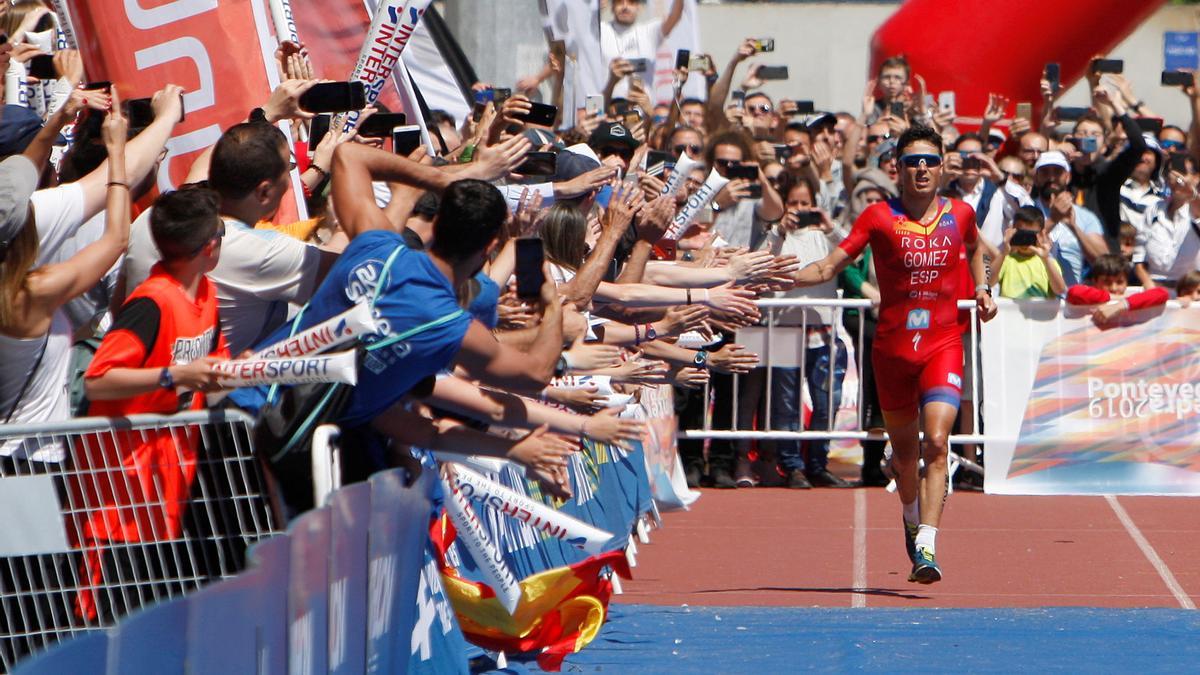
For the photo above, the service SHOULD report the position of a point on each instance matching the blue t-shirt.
(415, 293)
(1065, 246)
(483, 306)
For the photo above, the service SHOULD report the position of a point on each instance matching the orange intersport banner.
(222, 54)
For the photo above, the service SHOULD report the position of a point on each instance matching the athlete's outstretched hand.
(985, 305)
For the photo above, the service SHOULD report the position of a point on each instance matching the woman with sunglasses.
(918, 243)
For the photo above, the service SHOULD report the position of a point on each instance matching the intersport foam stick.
(544, 520)
(683, 168)
(337, 367)
(391, 27)
(487, 556)
(696, 203)
(285, 24)
(335, 332)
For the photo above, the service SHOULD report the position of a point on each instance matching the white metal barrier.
(785, 346)
(141, 509)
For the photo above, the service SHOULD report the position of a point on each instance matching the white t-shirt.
(258, 274)
(808, 245)
(58, 214)
(639, 41)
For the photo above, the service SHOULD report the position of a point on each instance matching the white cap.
(18, 180)
(1052, 158)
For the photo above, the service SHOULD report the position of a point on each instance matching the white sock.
(926, 534)
(912, 512)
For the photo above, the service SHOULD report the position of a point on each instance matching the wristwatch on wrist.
(560, 368)
(701, 359)
(165, 381)
(651, 334)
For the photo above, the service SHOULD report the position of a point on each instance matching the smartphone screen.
(805, 108)
(1053, 76)
(773, 73)
(683, 58)
(530, 256)
(501, 94)
(42, 67)
(782, 152)
(1024, 238)
(748, 171)
(1179, 162)
(946, 103)
(1025, 111)
(406, 139)
(1071, 113)
(808, 218)
(657, 161)
(1177, 78)
(380, 125)
(1115, 66)
(334, 97)
(764, 45)
(739, 98)
(541, 114)
(897, 109)
(701, 63)
(317, 130)
(139, 112)
(594, 104)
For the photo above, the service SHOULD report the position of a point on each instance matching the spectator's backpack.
(284, 432)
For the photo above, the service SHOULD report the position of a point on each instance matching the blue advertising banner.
(151, 642)
(229, 614)
(1181, 50)
(77, 655)
(308, 593)
(272, 557)
(349, 513)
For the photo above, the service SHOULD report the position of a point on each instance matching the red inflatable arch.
(973, 47)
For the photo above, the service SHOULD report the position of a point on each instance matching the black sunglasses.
(876, 138)
(619, 151)
(689, 148)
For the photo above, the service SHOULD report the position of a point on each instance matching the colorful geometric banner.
(1075, 409)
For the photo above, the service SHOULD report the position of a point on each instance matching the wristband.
(983, 288)
(637, 335)
(165, 379)
(701, 360)
(689, 296)
(323, 172)
(116, 183)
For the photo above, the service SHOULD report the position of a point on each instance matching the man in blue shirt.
(423, 330)
(1075, 232)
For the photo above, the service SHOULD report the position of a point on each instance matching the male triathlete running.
(918, 245)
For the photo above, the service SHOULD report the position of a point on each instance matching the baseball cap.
(18, 126)
(817, 119)
(571, 165)
(18, 180)
(996, 136)
(1052, 158)
(612, 133)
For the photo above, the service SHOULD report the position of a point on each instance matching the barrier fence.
(105, 516)
(351, 586)
(789, 328)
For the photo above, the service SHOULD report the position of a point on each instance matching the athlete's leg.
(903, 427)
(938, 420)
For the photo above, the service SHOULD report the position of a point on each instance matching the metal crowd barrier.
(139, 510)
(785, 346)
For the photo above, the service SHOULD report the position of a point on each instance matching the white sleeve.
(992, 228)
(58, 213)
(1158, 242)
(288, 270)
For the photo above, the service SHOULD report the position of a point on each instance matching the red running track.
(845, 548)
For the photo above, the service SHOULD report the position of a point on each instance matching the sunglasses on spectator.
(761, 108)
(217, 236)
(1171, 145)
(878, 138)
(913, 161)
(726, 163)
(620, 151)
(689, 148)
(1013, 174)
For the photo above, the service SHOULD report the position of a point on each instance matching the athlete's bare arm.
(824, 269)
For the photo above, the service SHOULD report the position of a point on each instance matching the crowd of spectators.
(105, 311)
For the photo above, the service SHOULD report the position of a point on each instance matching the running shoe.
(925, 569)
(910, 540)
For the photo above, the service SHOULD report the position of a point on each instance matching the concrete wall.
(825, 46)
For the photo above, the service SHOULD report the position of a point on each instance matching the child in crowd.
(166, 335)
(1135, 257)
(1106, 284)
(1187, 289)
(1025, 268)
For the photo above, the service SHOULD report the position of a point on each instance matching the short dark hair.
(1107, 265)
(1030, 215)
(917, 133)
(969, 136)
(438, 117)
(469, 218)
(1187, 283)
(246, 155)
(690, 101)
(184, 220)
(734, 138)
(897, 61)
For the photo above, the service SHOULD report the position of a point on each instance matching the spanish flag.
(560, 612)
